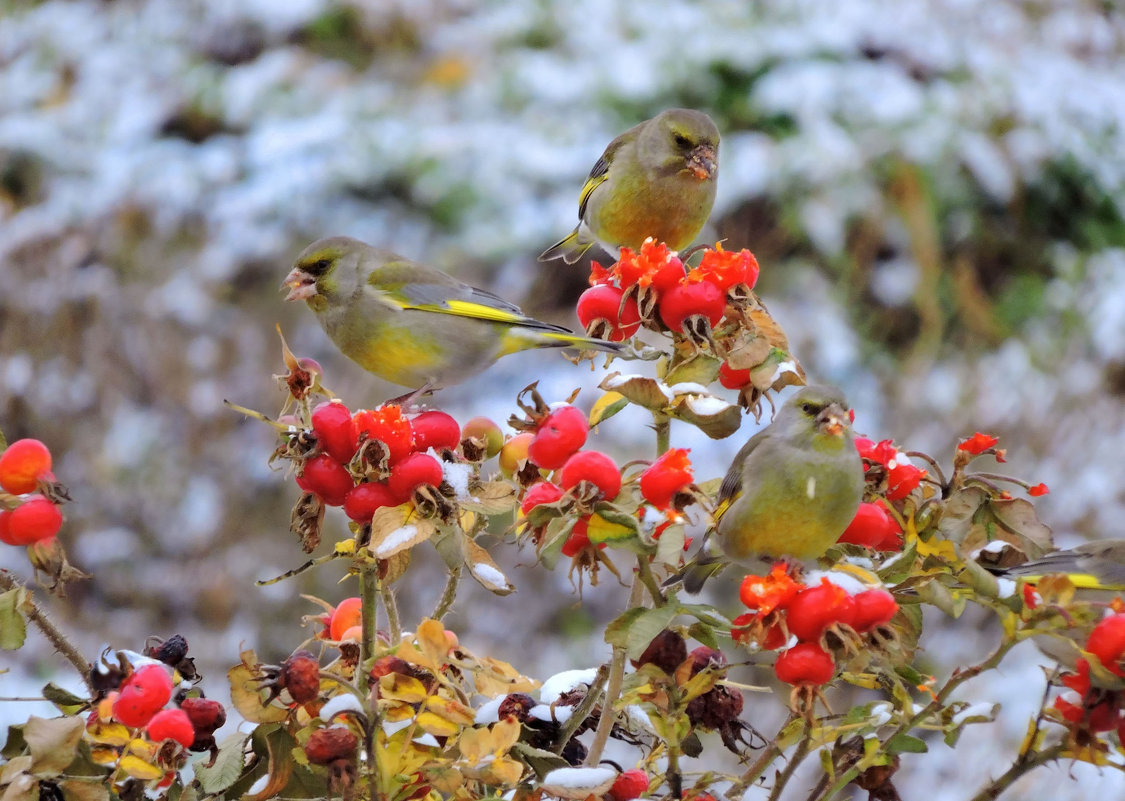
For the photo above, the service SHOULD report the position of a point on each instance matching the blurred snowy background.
(935, 191)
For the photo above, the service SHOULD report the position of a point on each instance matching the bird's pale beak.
(834, 420)
(300, 284)
(701, 162)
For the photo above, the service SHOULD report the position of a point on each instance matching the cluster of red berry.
(1099, 703)
(784, 607)
(25, 470)
(140, 700)
(889, 467)
(586, 477)
(652, 288)
(387, 477)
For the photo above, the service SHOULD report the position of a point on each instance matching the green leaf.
(702, 368)
(15, 745)
(65, 700)
(557, 532)
(606, 407)
(645, 627)
(641, 390)
(617, 632)
(538, 759)
(13, 627)
(713, 416)
(704, 635)
(227, 768)
(705, 614)
(670, 546)
(614, 527)
(906, 744)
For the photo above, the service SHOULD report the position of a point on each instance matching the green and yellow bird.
(411, 324)
(1096, 565)
(657, 179)
(790, 491)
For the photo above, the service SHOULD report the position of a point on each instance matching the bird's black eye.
(808, 408)
(318, 267)
(682, 141)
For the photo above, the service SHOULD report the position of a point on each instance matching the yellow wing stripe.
(588, 188)
(465, 308)
(1083, 581)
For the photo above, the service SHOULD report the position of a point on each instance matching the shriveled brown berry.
(667, 650)
(390, 664)
(328, 745)
(205, 714)
(716, 708)
(170, 651)
(516, 705)
(703, 657)
(300, 675)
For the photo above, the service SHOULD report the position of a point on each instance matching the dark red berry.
(540, 493)
(595, 467)
(363, 500)
(413, 471)
(667, 651)
(731, 378)
(171, 724)
(688, 300)
(33, 520)
(326, 478)
(335, 430)
(143, 694)
(872, 608)
(558, 437)
(628, 785)
(436, 430)
(603, 304)
(815, 608)
(806, 663)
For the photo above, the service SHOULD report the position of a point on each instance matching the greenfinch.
(791, 490)
(1097, 571)
(657, 179)
(1092, 566)
(411, 324)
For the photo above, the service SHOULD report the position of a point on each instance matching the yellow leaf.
(431, 639)
(451, 710)
(248, 697)
(397, 687)
(493, 677)
(396, 528)
(607, 406)
(108, 734)
(437, 725)
(943, 549)
(139, 769)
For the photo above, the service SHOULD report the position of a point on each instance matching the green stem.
(448, 595)
(368, 593)
(391, 607)
(583, 710)
(613, 686)
(846, 778)
(1018, 769)
(663, 425)
(796, 759)
(644, 573)
(57, 639)
(763, 761)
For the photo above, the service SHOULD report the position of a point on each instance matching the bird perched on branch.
(657, 179)
(411, 324)
(790, 491)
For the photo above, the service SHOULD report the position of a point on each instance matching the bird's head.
(694, 140)
(821, 410)
(320, 270)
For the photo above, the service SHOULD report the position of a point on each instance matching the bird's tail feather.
(570, 249)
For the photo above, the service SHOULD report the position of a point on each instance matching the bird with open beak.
(655, 180)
